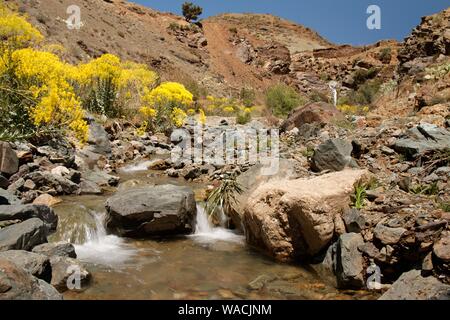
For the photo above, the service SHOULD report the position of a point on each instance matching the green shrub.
(385, 55)
(360, 76)
(365, 94)
(316, 96)
(282, 99)
(247, 97)
(243, 117)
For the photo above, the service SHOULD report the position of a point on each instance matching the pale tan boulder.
(294, 218)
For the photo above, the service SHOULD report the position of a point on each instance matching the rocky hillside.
(227, 52)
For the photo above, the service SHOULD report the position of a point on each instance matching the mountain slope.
(211, 57)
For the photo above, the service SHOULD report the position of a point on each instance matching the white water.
(101, 248)
(110, 250)
(136, 167)
(205, 232)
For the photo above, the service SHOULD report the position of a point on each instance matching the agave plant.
(223, 198)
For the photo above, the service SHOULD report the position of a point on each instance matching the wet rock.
(152, 211)
(291, 218)
(159, 164)
(317, 112)
(23, 236)
(61, 249)
(101, 178)
(354, 220)
(36, 264)
(413, 286)
(18, 284)
(388, 235)
(28, 211)
(259, 282)
(65, 272)
(334, 155)
(423, 138)
(349, 261)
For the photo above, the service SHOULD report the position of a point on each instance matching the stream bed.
(213, 263)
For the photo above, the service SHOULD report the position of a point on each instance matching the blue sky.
(340, 21)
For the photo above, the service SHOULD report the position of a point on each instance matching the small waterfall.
(206, 232)
(101, 248)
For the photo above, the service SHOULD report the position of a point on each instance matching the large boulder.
(317, 112)
(18, 284)
(67, 272)
(423, 138)
(9, 163)
(36, 264)
(292, 218)
(152, 211)
(413, 286)
(349, 261)
(333, 155)
(27, 211)
(23, 236)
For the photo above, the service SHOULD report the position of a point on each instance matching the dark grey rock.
(23, 236)
(152, 211)
(36, 264)
(7, 197)
(388, 235)
(422, 138)
(27, 211)
(334, 155)
(349, 261)
(62, 249)
(354, 220)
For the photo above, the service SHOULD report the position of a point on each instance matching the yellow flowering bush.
(166, 104)
(107, 84)
(34, 90)
(55, 104)
(15, 31)
(178, 117)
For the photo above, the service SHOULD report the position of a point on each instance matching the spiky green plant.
(360, 196)
(224, 197)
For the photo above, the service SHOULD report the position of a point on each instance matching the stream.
(212, 263)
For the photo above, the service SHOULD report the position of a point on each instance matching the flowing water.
(212, 263)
